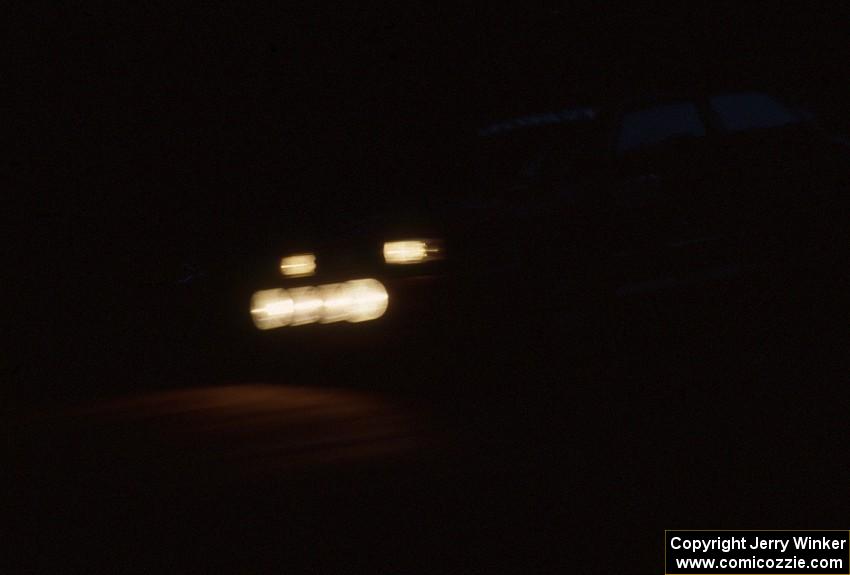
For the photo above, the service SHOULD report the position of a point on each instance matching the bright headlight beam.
(298, 265)
(272, 308)
(368, 300)
(307, 305)
(353, 301)
(336, 303)
(410, 251)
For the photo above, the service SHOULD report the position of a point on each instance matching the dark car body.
(563, 215)
(699, 185)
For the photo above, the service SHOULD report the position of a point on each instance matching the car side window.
(750, 111)
(653, 125)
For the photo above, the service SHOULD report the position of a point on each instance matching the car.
(564, 215)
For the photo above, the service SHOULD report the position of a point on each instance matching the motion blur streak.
(272, 308)
(410, 251)
(307, 305)
(368, 300)
(298, 265)
(353, 301)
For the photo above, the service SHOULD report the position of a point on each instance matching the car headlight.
(353, 301)
(411, 251)
(298, 265)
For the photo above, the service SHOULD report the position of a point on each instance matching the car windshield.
(750, 111)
